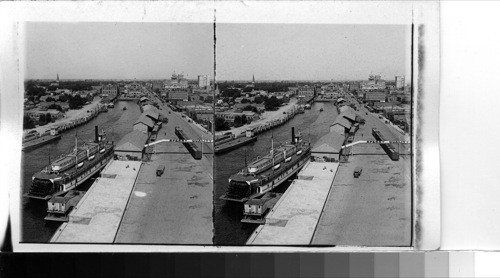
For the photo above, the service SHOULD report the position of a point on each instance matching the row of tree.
(29, 123)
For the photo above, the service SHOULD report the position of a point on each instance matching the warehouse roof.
(330, 143)
(132, 141)
(145, 120)
(343, 122)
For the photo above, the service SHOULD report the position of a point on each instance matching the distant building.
(230, 116)
(178, 95)
(36, 113)
(354, 86)
(177, 81)
(375, 96)
(306, 91)
(110, 90)
(203, 81)
(400, 82)
(157, 85)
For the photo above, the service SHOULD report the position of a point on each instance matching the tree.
(259, 99)
(42, 119)
(28, 122)
(272, 103)
(50, 99)
(231, 92)
(250, 108)
(63, 98)
(55, 106)
(48, 118)
(245, 100)
(36, 91)
(238, 121)
(220, 124)
(244, 120)
(76, 102)
(209, 99)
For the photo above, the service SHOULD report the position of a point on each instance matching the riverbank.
(267, 118)
(70, 116)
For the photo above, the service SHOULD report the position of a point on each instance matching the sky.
(118, 50)
(312, 52)
(268, 51)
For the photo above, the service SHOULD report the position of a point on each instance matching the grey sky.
(121, 50)
(270, 51)
(318, 52)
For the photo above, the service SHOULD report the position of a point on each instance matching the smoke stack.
(293, 135)
(96, 134)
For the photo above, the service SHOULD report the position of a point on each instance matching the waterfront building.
(306, 91)
(328, 147)
(131, 146)
(144, 124)
(341, 126)
(110, 90)
(134, 86)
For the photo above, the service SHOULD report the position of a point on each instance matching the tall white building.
(400, 82)
(203, 81)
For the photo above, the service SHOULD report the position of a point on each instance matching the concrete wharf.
(293, 219)
(96, 218)
(176, 207)
(374, 209)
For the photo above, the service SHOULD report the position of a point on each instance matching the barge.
(59, 207)
(229, 143)
(34, 140)
(255, 210)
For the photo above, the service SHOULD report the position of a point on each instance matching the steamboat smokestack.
(96, 134)
(293, 135)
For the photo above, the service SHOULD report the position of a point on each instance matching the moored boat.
(59, 207)
(266, 173)
(33, 139)
(71, 170)
(255, 210)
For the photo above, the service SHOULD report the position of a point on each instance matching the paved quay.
(97, 216)
(175, 208)
(293, 219)
(374, 209)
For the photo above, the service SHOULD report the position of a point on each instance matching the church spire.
(57, 77)
(253, 78)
